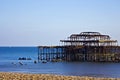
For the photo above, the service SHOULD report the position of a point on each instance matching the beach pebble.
(23, 76)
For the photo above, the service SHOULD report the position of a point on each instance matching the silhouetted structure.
(86, 46)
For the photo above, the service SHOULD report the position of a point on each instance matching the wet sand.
(24, 76)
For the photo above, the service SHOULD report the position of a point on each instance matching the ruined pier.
(86, 46)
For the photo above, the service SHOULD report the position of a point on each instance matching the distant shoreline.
(27, 76)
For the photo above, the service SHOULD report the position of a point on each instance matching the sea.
(9, 62)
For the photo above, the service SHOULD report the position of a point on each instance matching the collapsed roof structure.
(90, 39)
(86, 46)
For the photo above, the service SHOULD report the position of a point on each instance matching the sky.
(46, 22)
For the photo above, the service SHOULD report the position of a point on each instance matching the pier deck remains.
(86, 46)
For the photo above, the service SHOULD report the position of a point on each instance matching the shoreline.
(29, 76)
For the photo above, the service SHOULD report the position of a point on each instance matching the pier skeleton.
(86, 46)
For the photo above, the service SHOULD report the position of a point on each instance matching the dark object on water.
(28, 59)
(44, 61)
(20, 63)
(35, 61)
(23, 58)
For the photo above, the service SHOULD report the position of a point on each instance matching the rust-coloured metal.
(86, 46)
(90, 39)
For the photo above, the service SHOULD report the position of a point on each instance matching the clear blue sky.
(45, 22)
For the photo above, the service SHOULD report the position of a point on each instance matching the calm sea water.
(9, 63)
